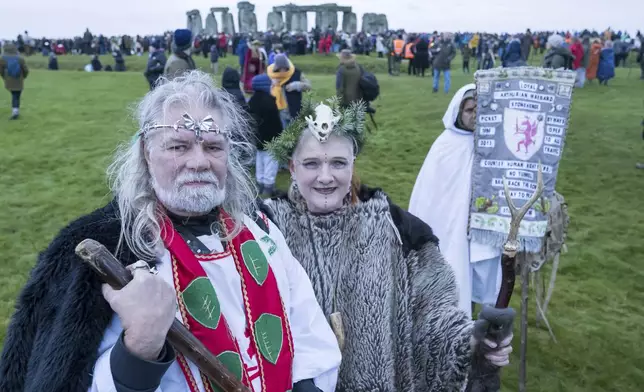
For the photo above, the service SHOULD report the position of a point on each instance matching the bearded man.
(184, 204)
(441, 198)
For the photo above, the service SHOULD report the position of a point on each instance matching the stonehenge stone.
(228, 23)
(349, 22)
(299, 21)
(374, 23)
(247, 18)
(211, 25)
(195, 24)
(326, 18)
(274, 21)
(289, 17)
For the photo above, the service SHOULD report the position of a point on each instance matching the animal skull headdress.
(323, 124)
(321, 120)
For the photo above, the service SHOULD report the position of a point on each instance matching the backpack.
(13, 66)
(369, 85)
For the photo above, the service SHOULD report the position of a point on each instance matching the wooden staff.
(112, 272)
(509, 260)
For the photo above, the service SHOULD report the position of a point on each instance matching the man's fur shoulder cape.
(53, 338)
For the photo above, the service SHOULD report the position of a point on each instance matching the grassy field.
(55, 157)
(309, 64)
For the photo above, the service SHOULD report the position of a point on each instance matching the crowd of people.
(593, 55)
(328, 286)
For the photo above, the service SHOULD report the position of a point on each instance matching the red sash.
(266, 321)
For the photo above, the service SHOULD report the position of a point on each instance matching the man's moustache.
(202, 177)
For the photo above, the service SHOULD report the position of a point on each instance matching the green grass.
(308, 64)
(54, 160)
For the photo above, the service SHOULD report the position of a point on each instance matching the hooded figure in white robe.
(442, 198)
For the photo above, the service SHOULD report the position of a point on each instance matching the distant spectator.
(156, 65)
(593, 59)
(181, 59)
(119, 61)
(230, 82)
(421, 59)
(288, 84)
(557, 56)
(467, 53)
(96, 64)
(268, 125)
(606, 70)
(52, 65)
(513, 56)
(585, 44)
(526, 43)
(255, 59)
(277, 49)
(214, 59)
(347, 78)
(621, 49)
(577, 50)
(14, 71)
(444, 53)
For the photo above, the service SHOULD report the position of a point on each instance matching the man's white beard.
(191, 199)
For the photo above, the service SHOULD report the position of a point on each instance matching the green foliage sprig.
(351, 125)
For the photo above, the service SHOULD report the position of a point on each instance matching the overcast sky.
(66, 18)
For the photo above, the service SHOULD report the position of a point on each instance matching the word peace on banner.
(522, 119)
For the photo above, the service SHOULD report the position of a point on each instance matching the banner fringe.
(497, 240)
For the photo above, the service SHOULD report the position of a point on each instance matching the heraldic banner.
(522, 118)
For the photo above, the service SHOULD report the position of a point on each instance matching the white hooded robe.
(441, 198)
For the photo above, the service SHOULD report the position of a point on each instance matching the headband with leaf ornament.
(321, 120)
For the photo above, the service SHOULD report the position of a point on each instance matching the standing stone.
(211, 24)
(326, 18)
(274, 21)
(229, 23)
(247, 18)
(374, 23)
(349, 22)
(299, 22)
(195, 24)
(288, 20)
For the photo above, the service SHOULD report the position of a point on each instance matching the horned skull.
(323, 124)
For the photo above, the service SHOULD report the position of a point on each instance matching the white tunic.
(317, 355)
(441, 198)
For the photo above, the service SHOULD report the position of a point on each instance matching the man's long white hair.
(130, 181)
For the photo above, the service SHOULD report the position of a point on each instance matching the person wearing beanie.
(181, 59)
(288, 84)
(268, 126)
(14, 71)
(558, 56)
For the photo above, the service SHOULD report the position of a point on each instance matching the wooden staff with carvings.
(509, 264)
(112, 272)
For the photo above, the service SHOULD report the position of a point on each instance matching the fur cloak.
(53, 338)
(381, 268)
